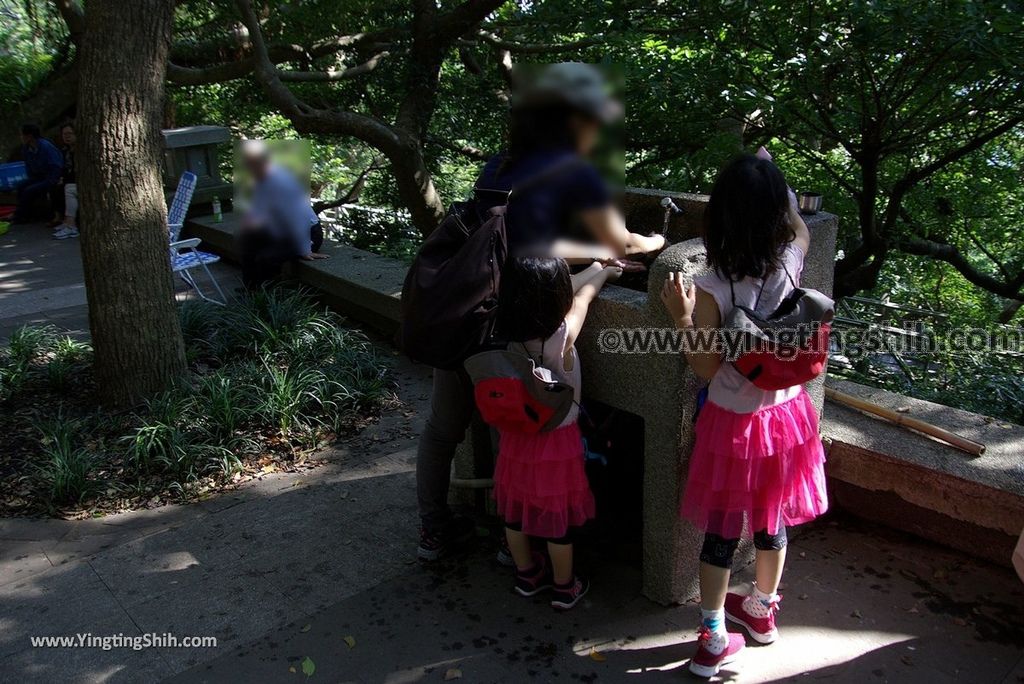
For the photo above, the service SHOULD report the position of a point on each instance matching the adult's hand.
(626, 265)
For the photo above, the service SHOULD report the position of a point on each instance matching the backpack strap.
(561, 165)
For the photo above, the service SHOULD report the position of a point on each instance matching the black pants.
(263, 254)
(718, 551)
(33, 200)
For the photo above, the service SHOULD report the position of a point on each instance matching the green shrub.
(225, 403)
(270, 372)
(29, 343)
(64, 470)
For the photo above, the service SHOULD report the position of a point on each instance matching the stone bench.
(356, 283)
(903, 479)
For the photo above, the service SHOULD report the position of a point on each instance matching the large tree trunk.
(132, 312)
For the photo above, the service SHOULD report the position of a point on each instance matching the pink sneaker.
(757, 617)
(713, 651)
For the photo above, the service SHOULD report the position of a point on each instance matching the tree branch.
(1010, 288)
(538, 48)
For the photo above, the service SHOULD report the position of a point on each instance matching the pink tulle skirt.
(766, 467)
(540, 483)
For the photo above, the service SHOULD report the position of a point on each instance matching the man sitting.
(280, 225)
(44, 164)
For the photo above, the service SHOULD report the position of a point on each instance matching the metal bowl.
(809, 202)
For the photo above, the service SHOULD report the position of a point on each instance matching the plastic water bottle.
(218, 215)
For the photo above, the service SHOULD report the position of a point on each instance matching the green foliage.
(273, 372)
(65, 467)
(30, 47)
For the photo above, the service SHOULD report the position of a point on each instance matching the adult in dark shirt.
(44, 164)
(562, 207)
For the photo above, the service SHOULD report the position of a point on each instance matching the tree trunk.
(132, 312)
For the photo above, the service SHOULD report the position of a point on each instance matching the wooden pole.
(951, 438)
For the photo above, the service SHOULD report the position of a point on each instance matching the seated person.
(44, 164)
(68, 189)
(280, 225)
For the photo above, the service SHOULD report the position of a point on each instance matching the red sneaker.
(705, 662)
(755, 616)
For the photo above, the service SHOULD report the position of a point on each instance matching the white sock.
(714, 620)
(758, 603)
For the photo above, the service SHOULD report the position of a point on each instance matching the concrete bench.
(906, 480)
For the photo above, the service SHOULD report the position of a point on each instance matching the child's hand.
(679, 301)
(612, 273)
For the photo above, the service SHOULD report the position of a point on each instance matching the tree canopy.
(906, 115)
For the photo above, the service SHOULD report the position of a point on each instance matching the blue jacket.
(45, 163)
(281, 204)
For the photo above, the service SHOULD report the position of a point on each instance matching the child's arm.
(583, 277)
(585, 294)
(692, 308)
(801, 235)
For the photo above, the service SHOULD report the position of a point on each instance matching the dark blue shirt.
(45, 162)
(545, 209)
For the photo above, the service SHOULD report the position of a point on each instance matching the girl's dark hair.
(536, 294)
(536, 128)
(746, 227)
(67, 124)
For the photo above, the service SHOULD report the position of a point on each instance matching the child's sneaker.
(535, 580)
(67, 232)
(567, 596)
(756, 615)
(504, 556)
(714, 649)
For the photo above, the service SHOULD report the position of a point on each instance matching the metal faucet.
(670, 208)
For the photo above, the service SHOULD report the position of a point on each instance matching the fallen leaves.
(452, 673)
(350, 640)
(308, 666)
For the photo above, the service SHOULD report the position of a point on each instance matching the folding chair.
(184, 255)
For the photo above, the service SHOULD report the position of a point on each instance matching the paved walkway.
(319, 568)
(41, 281)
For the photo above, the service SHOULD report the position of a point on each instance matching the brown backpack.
(450, 295)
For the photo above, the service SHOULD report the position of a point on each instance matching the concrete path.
(318, 568)
(41, 281)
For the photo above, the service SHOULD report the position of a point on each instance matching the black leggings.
(718, 551)
(567, 539)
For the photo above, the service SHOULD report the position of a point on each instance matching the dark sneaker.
(714, 649)
(535, 580)
(565, 597)
(434, 545)
(504, 556)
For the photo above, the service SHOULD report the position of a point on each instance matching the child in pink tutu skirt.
(540, 485)
(757, 456)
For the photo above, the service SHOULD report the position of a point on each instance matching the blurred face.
(67, 134)
(586, 132)
(255, 164)
(27, 139)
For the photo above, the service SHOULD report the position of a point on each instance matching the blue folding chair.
(184, 255)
